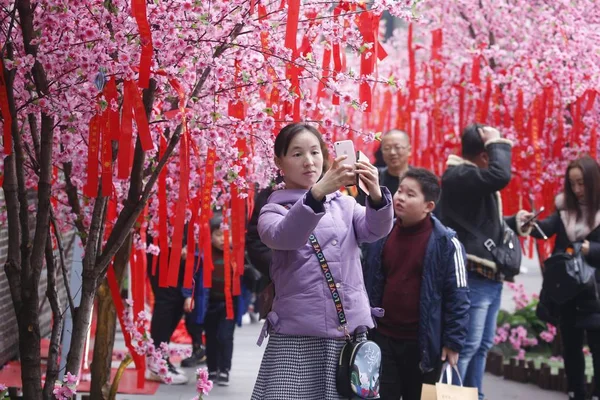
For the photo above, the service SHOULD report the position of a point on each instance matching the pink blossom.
(203, 384)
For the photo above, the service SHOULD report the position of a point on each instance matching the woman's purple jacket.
(303, 304)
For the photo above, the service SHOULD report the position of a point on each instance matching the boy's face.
(218, 239)
(410, 204)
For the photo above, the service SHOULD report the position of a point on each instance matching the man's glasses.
(398, 149)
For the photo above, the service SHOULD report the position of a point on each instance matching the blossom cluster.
(203, 384)
(66, 389)
(137, 327)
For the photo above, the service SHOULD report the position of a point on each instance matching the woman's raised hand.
(337, 176)
(369, 175)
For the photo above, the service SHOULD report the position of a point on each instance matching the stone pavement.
(247, 357)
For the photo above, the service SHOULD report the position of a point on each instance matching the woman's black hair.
(289, 132)
(591, 181)
(471, 141)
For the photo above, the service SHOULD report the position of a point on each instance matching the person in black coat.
(577, 219)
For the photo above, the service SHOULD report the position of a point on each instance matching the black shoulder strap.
(487, 242)
(337, 300)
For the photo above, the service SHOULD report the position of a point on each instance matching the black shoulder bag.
(359, 363)
(566, 274)
(506, 254)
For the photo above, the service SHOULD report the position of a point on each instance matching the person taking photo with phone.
(305, 336)
(577, 221)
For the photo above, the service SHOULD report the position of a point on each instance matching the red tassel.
(178, 225)
(5, 110)
(227, 266)
(292, 25)
(141, 119)
(163, 271)
(139, 12)
(91, 188)
(106, 155)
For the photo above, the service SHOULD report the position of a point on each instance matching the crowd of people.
(415, 263)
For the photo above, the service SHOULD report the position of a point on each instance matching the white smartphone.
(345, 148)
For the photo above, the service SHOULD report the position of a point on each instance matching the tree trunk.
(29, 347)
(106, 328)
(81, 323)
(57, 324)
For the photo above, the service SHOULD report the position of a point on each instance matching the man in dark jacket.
(470, 191)
(417, 274)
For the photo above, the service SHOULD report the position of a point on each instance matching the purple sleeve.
(372, 224)
(281, 229)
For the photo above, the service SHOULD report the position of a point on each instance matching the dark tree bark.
(57, 324)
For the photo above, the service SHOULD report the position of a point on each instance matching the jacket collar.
(454, 160)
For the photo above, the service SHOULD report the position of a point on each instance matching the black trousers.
(572, 340)
(219, 337)
(168, 310)
(401, 377)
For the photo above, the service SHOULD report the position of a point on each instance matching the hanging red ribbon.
(124, 158)
(191, 246)
(106, 154)
(140, 13)
(141, 119)
(91, 187)
(228, 272)
(292, 25)
(163, 227)
(205, 214)
(5, 110)
(112, 97)
(178, 225)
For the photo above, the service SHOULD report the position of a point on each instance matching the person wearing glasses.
(395, 149)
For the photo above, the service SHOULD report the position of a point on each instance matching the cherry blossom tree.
(107, 105)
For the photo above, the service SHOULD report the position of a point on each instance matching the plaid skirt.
(299, 368)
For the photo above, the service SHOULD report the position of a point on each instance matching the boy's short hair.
(428, 181)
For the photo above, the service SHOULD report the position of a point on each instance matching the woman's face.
(303, 164)
(576, 182)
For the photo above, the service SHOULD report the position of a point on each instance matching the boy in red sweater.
(417, 274)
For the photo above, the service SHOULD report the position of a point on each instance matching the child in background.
(210, 310)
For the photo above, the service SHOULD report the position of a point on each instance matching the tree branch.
(63, 264)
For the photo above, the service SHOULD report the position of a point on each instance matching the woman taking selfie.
(577, 223)
(306, 337)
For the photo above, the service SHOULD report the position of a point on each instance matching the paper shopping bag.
(443, 391)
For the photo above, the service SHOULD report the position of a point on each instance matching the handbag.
(506, 254)
(566, 274)
(447, 391)
(359, 363)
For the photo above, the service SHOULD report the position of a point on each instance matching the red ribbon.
(106, 154)
(325, 68)
(227, 266)
(139, 11)
(191, 246)
(163, 228)
(177, 243)
(205, 238)
(291, 30)
(125, 156)
(91, 187)
(5, 110)
(111, 94)
(141, 119)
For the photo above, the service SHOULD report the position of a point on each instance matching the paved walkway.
(246, 362)
(247, 357)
